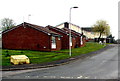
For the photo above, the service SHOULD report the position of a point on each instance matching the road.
(101, 66)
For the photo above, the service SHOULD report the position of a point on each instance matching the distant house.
(76, 29)
(64, 38)
(110, 39)
(87, 31)
(28, 36)
(72, 26)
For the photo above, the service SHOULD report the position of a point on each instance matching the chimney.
(66, 25)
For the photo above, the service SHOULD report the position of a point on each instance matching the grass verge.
(37, 57)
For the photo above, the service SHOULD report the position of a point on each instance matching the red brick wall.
(64, 39)
(78, 41)
(65, 42)
(77, 38)
(84, 42)
(27, 38)
(58, 44)
(73, 42)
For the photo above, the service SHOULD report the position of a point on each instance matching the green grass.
(37, 57)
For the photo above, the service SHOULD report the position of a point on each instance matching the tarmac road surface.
(101, 66)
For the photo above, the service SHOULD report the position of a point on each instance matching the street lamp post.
(29, 18)
(70, 30)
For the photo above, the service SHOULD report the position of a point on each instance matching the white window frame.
(81, 40)
(71, 42)
(58, 38)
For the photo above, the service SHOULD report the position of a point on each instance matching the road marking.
(83, 77)
(37, 76)
(79, 77)
(49, 76)
(66, 77)
(27, 76)
(86, 77)
(95, 77)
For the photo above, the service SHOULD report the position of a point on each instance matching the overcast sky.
(54, 12)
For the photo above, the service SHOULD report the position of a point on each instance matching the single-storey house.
(64, 38)
(80, 39)
(28, 36)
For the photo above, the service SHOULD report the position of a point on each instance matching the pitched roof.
(72, 31)
(57, 29)
(61, 30)
(39, 28)
(68, 23)
(42, 29)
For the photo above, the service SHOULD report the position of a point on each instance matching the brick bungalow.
(27, 36)
(64, 38)
(78, 37)
(76, 29)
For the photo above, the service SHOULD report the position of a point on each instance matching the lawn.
(43, 57)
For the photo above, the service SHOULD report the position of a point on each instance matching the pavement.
(52, 64)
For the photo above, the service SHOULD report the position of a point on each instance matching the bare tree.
(7, 23)
(102, 27)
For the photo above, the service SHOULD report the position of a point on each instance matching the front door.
(53, 43)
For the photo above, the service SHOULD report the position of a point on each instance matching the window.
(53, 40)
(58, 38)
(92, 33)
(81, 40)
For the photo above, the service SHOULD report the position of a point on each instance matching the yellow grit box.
(19, 59)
